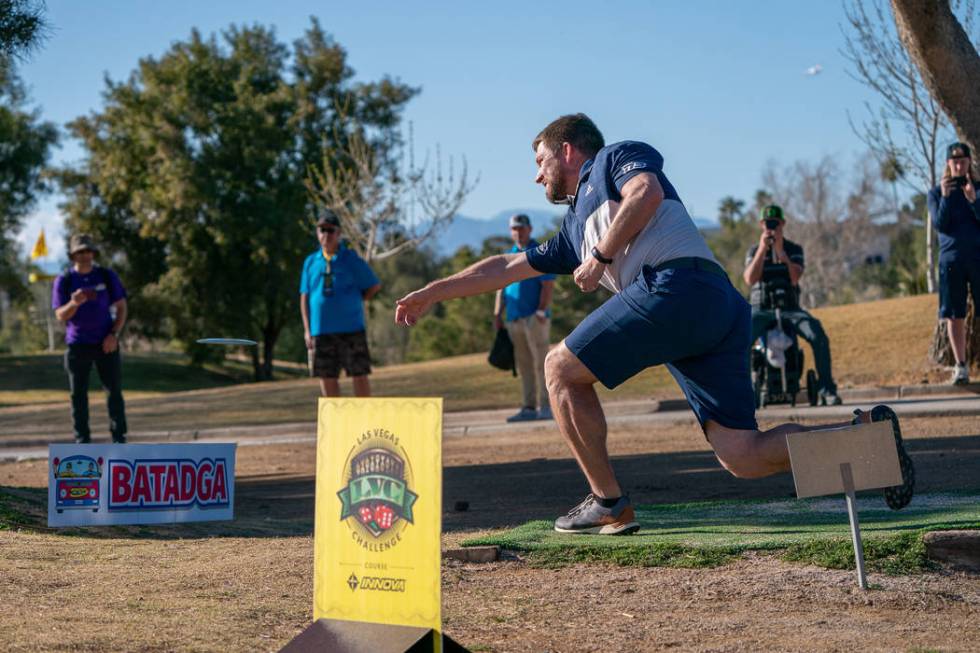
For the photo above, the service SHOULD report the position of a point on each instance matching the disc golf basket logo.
(377, 495)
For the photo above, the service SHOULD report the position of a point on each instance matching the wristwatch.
(597, 255)
(541, 312)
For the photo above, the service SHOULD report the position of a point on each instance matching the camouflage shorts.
(334, 351)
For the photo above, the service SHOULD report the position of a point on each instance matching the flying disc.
(227, 341)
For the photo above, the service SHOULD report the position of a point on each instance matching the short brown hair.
(577, 129)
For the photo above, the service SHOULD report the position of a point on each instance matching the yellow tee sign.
(378, 511)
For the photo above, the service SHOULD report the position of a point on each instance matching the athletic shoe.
(590, 517)
(83, 440)
(545, 413)
(828, 398)
(525, 414)
(899, 496)
(961, 375)
(119, 439)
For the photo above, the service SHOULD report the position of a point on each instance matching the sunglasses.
(772, 224)
(327, 230)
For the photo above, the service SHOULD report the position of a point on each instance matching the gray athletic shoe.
(828, 398)
(525, 414)
(590, 517)
(545, 413)
(961, 375)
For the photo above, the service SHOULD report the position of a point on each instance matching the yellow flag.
(379, 511)
(40, 247)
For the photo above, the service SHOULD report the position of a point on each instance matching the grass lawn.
(876, 343)
(710, 533)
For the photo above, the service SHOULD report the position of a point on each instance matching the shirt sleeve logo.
(633, 165)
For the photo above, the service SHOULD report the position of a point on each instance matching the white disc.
(227, 341)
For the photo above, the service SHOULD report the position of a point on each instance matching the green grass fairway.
(706, 534)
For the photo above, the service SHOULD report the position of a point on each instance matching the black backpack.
(502, 352)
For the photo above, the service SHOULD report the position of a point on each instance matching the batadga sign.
(95, 485)
(379, 511)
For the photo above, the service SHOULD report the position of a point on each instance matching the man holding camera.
(333, 288)
(778, 261)
(91, 301)
(955, 213)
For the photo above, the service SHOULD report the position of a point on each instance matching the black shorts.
(954, 276)
(333, 351)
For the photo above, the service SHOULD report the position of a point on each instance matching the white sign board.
(99, 485)
(816, 457)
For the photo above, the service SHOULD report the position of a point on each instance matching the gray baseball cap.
(80, 243)
(520, 220)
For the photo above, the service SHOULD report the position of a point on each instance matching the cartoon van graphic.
(77, 483)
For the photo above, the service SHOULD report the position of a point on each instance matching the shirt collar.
(583, 174)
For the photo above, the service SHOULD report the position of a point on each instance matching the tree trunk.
(256, 364)
(946, 59)
(950, 66)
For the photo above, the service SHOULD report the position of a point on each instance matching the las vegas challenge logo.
(377, 499)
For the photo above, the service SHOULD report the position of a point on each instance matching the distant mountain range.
(469, 231)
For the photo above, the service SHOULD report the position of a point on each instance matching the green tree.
(25, 145)
(22, 27)
(194, 180)
(736, 233)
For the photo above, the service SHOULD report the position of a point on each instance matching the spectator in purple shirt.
(92, 302)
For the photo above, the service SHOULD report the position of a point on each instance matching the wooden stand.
(337, 636)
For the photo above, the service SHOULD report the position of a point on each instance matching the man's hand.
(110, 344)
(540, 318)
(79, 297)
(411, 307)
(947, 185)
(308, 339)
(588, 274)
(498, 322)
(765, 240)
(970, 190)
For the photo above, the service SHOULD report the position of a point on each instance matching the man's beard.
(555, 191)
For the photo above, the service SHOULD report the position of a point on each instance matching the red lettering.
(204, 482)
(157, 471)
(188, 480)
(171, 489)
(121, 488)
(220, 485)
(141, 486)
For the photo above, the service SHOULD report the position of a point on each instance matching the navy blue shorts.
(690, 320)
(953, 279)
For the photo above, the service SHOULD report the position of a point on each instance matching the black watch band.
(599, 257)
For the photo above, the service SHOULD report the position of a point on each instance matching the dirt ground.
(247, 584)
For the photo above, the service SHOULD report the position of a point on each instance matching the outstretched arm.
(489, 274)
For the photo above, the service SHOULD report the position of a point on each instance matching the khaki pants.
(531, 339)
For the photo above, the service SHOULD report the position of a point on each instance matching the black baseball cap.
(957, 150)
(772, 212)
(326, 216)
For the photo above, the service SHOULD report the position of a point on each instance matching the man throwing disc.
(627, 230)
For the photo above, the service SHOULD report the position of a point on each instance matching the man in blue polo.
(334, 286)
(627, 229)
(525, 304)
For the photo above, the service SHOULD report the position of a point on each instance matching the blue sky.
(717, 86)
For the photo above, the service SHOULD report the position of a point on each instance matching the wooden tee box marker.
(817, 456)
(845, 460)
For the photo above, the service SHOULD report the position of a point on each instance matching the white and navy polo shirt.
(670, 233)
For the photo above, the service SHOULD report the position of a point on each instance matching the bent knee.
(737, 452)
